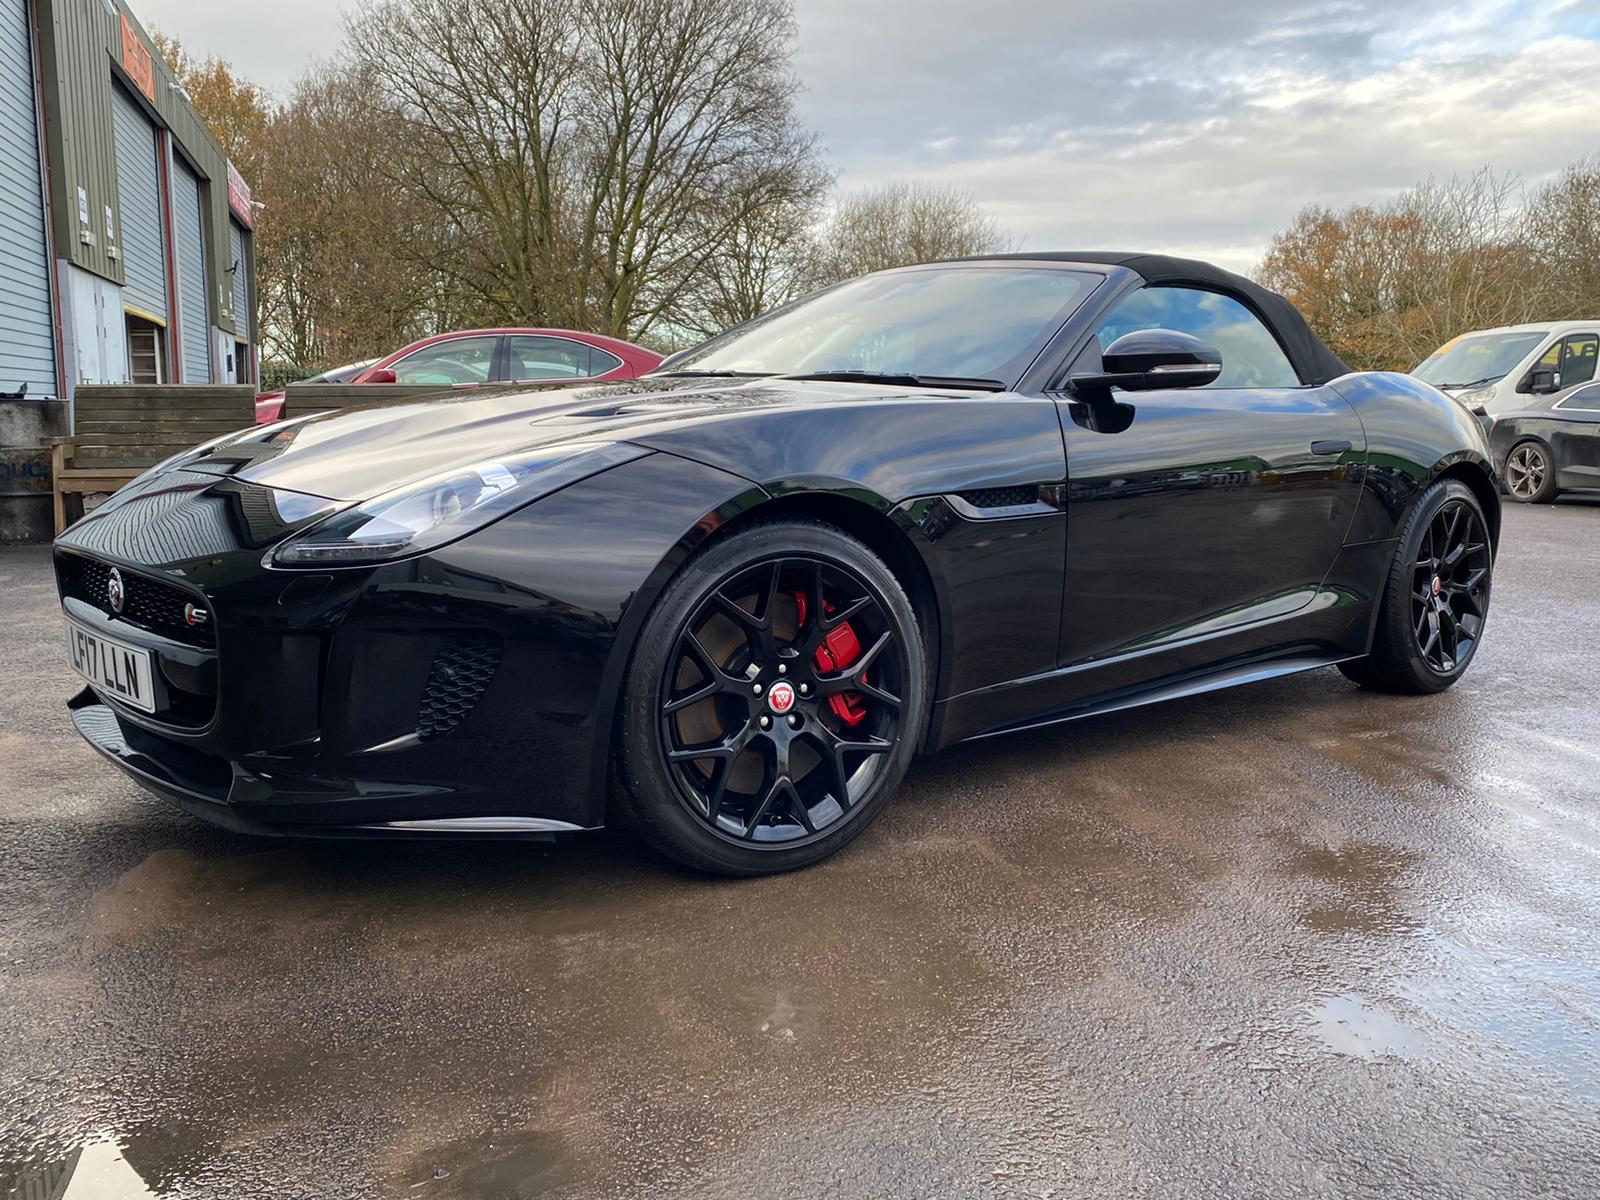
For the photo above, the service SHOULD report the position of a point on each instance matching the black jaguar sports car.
(731, 600)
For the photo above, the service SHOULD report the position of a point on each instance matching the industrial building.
(125, 234)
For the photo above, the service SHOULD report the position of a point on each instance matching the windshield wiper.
(1473, 384)
(718, 374)
(903, 380)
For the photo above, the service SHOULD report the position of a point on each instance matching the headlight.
(423, 516)
(1473, 399)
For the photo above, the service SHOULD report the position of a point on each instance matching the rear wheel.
(773, 701)
(1530, 474)
(1431, 617)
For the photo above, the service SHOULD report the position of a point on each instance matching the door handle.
(1330, 447)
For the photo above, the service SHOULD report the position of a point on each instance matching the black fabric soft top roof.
(1312, 360)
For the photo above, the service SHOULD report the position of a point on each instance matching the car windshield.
(1476, 359)
(971, 323)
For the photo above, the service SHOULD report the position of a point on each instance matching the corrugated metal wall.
(27, 335)
(194, 325)
(139, 225)
(82, 52)
(237, 241)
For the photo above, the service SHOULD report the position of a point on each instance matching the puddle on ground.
(1353, 1026)
(95, 1171)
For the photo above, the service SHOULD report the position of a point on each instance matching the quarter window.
(463, 360)
(1251, 356)
(1585, 399)
(532, 357)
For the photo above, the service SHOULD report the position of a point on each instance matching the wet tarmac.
(1292, 940)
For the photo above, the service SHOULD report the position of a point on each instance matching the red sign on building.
(239, 196)
(136, 61)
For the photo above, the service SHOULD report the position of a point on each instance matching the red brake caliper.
(840, 647)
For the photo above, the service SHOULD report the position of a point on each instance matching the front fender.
(586, 565)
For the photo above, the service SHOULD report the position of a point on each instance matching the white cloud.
(1145, 124)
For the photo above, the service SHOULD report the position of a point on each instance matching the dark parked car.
(475, 356)
(1549, 445)
(736, 597)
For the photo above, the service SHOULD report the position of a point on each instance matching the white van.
(1492, 370)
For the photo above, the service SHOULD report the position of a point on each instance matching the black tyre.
(1530, 473)
(773, 701)
(1436, 598)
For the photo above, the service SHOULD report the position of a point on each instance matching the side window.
(1585, 399)
(1578, 354)
(1251, 356)
(530, 357)
(464, 360)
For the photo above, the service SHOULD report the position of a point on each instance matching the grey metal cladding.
(27, 334)
(139, 230)
(194, 323)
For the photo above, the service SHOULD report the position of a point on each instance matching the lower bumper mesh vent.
(461, 672)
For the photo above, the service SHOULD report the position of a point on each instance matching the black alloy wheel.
(1450, 586)
(784, 669)
(1529, 477)
(1431, 616)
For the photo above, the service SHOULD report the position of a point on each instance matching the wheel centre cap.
(780, 697)
(1438, 585)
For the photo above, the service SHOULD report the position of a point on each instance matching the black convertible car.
(1550, 445)
(736, 597)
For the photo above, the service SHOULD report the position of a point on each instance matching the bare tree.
(903, 223)
(1563, 229)
(767, 255)
(339, 275)
(580, 153)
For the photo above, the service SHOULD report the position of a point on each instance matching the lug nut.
(805, 689)
(757, 689)
(783, 668)
(766, 722)
(793, 722)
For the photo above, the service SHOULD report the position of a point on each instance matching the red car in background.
(475, 356)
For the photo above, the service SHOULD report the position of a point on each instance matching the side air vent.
(461, 672)
(1007, 497)
(999, 503)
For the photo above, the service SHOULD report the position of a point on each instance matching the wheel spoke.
(778, 788)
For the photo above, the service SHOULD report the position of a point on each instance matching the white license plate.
(114, 667)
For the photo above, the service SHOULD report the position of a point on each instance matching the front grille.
(461, 672)
(147, 603)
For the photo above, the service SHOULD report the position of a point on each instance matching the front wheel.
(1436, 599)
(773, 701)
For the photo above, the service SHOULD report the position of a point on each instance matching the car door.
(1215, 506)
(1575, 436)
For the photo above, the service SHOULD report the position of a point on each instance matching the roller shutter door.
(242, 316)
(194, 323)
(27, 331)
(144, 261)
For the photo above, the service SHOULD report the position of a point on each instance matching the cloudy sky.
(1187, 126)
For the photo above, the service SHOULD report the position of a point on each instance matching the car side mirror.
(381, 375)
(1541, 381)
(1150, 359)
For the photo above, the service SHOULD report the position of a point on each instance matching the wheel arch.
(1480, 478)
(870, 519)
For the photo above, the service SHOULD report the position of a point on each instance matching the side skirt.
(1225, 677)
